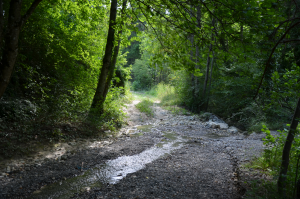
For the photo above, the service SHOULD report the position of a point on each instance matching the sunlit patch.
(59, 151)
(96, 144)
(109, 173)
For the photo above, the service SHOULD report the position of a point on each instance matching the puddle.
(160, 145)
(176, 144)
(112, 172)
(65, 189)
(215, 136)
(136, 134)
(144, 128)
(170, 135)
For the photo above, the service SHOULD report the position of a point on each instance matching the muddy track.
(165, 156)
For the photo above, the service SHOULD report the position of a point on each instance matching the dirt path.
(167, 156)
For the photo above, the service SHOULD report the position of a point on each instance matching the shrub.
(270, 162)
(145, 107)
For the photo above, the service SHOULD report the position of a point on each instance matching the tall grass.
(152, 92)
(167, 94)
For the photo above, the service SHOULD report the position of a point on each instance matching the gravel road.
(165, 156)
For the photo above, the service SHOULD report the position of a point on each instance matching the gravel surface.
(167, 156)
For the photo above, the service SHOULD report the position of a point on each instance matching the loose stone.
(8, 169)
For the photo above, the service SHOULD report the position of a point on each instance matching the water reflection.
(111, 172)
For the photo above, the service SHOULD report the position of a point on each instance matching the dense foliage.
(56, 73)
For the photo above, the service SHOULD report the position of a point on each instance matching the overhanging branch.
(29, 12)
(272, 52)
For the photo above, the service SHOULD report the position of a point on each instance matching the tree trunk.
(202, 107)
(192, 56)
(207, 72)
(156, 75)
(210, 79)
(10, 51)
(291, 134)
(99, 96)
(193, 60)
(11, 39)
(111, 69)
(1, 24)
(109, 60)
(286, 151)
(114, 58)
(196, 83)
(203, 104)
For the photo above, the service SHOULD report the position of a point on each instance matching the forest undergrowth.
(26, 128)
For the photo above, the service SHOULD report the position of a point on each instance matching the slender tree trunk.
(291, 134)
(210, 80)
(156, 76)
(1, 24)
(11, 39)
(99, 96)
(162, 75)
(286, 151)
(192, 55)
(111, 69)
(193, 60)
(210, 76)
(115, 56)
(196, 83)
(202, 107)
(10, 51)
(203, 103)
(298, 190)
(207, 71)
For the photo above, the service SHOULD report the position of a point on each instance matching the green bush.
(145, 107)
(136, 86)
(270, 162)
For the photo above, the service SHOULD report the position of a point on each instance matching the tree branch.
(272, 52)
(281, 23)
(221, 22)
(290, 40)
(137, 18)
(152, 27)
(29, 12)
(1, 23)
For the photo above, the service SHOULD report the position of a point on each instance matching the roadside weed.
(145, 107)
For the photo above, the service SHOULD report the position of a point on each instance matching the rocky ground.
(165, 156)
